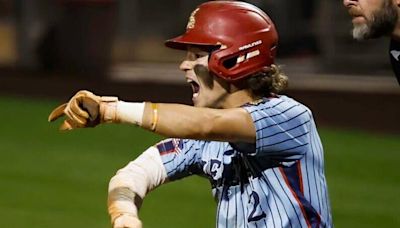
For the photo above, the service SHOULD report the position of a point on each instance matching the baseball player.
(377, 18)
(261, 151)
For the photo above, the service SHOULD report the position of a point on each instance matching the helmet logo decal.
(247, 46)
(192, 19)
(247, 56)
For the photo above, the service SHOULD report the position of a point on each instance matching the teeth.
(195, 95)
(189, 80)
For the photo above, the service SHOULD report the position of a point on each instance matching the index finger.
(57, 112)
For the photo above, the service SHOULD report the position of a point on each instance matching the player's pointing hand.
(84, 109)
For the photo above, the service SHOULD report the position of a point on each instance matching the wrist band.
(155, 116)
(130, 112)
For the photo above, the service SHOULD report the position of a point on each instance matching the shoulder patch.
(170, 146)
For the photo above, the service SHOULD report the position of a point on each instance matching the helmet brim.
(184, 41)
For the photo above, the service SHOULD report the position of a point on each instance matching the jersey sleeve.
(180, 157)
(282, 128)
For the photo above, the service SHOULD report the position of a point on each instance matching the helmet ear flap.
(234, 63)
(224, 63)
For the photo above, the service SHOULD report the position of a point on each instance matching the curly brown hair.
(270, 80)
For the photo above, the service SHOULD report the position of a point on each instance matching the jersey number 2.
(253, 216)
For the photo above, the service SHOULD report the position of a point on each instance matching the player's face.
(372, 18)
(208, 91)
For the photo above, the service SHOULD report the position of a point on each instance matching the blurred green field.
(52, 179)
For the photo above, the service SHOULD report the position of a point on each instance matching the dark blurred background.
(116, 46)
(95, 36)
(49, 49)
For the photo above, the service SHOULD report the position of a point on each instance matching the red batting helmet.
(245, 34)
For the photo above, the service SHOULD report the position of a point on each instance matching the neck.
(238, 98)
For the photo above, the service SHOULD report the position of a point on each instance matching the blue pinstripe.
(270, 197)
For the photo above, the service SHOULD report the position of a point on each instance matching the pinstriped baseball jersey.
(277, 182)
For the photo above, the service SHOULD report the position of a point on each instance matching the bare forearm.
(183, 121)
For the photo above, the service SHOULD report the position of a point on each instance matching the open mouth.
(195, 88)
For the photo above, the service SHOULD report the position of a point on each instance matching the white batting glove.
(127, 221)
